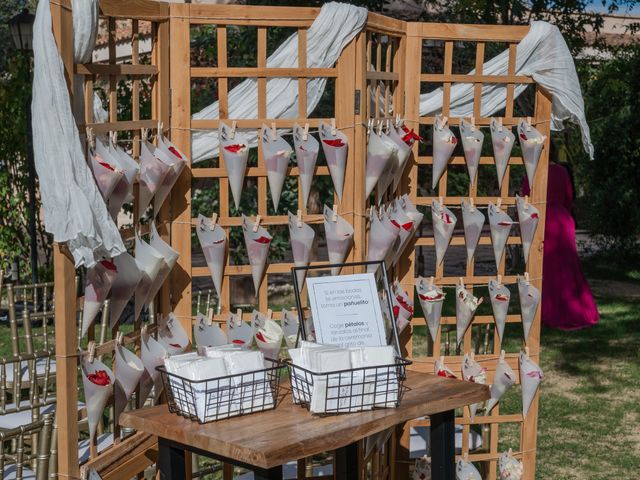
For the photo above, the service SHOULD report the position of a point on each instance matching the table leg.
(443, 446)
(346, 462)
(171, 461)
(274, 473)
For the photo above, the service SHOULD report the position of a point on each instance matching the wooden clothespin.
(305, 134)
(472, 122)
(500, 127)
(528, 124)
(334, 130)
(113, 136)
(209, 317)
(380, 125)
(335, 213)
(274, 132)
(441, 359)
(214, 220)
(499, 203)
(160, 130)
(510, 451)
(473, 355)
(143, 329)
(256, 224)
(465, 456)
(369, 125)
(91, 140)
(472, 207)
(371, 212)
(526, 351)
(144, 134)
(461, 282)
(91, 351)
(238, 317)
(269, 313)
(441, 199)
(388, 126)
(232, 134)
(502, 354)
(299, 219)
(526, 278)
(431, 281)
(499, 279)
(119, 337)
(526, 202)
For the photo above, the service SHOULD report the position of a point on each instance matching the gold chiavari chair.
(19, 459)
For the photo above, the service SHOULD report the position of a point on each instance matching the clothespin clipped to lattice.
(473, 355)
(91, 139)
(502, 354)
(209, 317)
(334, 130)
(499, 203)
(113, 137)
(431, 279)
(499, 279)
(371, 211)
(387, 126)
(234, 126)
(274, 132)
(461, 282)
(160, 130)
(305, 134)
(299, 219)
(465, 457)
(143, 329)
(119, 337)
(144, 134)
(256, 223)
(528, 124)
(91, 351)
(380, 125)
(238, 317)
(472, 121)
(472, 207)
(500, 128)
(398, 120)
(526, 351)
(441, 204)
(269, 314)
(369, 126)
(526, 202)
(214, 220)
(526, 278)
(335, 213)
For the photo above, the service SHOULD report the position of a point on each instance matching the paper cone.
(239, 333)
(129, 370)
(500, 224)
(382, 234)
(234, 147)
(414, 215)
(306, 156)
(444, 143)
(302, 236)
(472, 220)
(208, 334)
(444, 222)
(530, 378)
(529, 300)
(213, 241)
(466, 305)
(335, 145)
(402, 306)
(528, 217)
(502, 139)
(509, 467)
(172, 336)
(422, 469)
(441, 370)
(152, 173)
(152, 263)
(472, 139)
(105, 170)
(257, 244)
(500, 297)
(403, 141)
(124, 285)
(96, 396)
(152, 354)
(339, 235)
(465, 470)
(290, 327)
(531, 143)
(431, 300)
(276, 153)
(177, 161)
(169, 256)
(380, 152)
(123, 191)
(406, 230)
(269, 339)
(473, 372)
(503, 380)
(98, 284)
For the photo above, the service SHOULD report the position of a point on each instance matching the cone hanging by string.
(276, 153)
(444, 143)
(152, 354)
(123, 191)
(98, 284)
(500, 224)
(334, 145)
(124, 285)
(503, 379)
(213, 241)
(382, 235)
(531, 143)
(129, 370)
(105, 169)
(339, 235)
(238, 331)
(405, 214)
(404, 140)
(307, 148)
(380, 153)
(302, 236)
(257, 241)
(290, 327)
(500, 297)
(509, 467)
(169, 259)
(472, 371)
(503, 140)
(472, 220)
(444, 222)
(431, 300)
(402, 306)
(97, 380)
(472, 139)
(529, 300)
(234, 147)
(151, 262)
(530, 378)
(172, 336)
(528, 217)
(208, 333)
(152, 173)
(465, 470)
(176, 160)
(441, 370)
(466, 306)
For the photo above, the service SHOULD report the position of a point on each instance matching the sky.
(596, 6)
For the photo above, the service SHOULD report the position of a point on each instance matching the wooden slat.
(456, 160)
(120, 69)
(385, 25)
(124, 460)
(475, 78)
(219, 172)
(139, 9)
(229, 14)
(119, 126)
(256, 123)
(261, 72)
(461, 32)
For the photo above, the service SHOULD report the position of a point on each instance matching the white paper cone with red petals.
(528, 217)
(531, 143)
(208, 334)
(276, 153)
(472, 140)
(239, 332)
(290, 327)
(302, 236)
(97, 380)
(105, 170)
(257, 244)
(404, 140)
(98, 284)
(444, 222)
(151, 262)
(306, 156)
(472, 220)
(529, 301)
(530, 378)
(269, 339)
(466, 306)
(334, 146)
(339, 235)
(129, 370)
(503, 379)
(169, 259)
(472, 371)
(172, 336)
(213, 241)
(152, 173)
(177, 161)
(503, 140)
(124, 285)
(431, 300)
(123, 191)
(234, 147)
(382, 235)
(500, 224)
(500, 297)
(380, 153)
(444, 143)
(152, 354)
(441, 370)
(402, 306)
(465, 470)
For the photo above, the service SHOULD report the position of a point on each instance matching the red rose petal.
(502, 298)
(260, 337)
(218, 241)
(175, 345)
(99, 377)
(263, 240)
(175, 152)
(396, 310)
(534, 215)
(109, 265)
(407, 226)
(335, 142)
(235, 148)
(523, 136)
(504, 224)
(104, 164)
(238, 342)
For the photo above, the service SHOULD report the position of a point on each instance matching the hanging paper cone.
(269, 339)
(412, 212)
(105, 170)
(123, 191)
(208, 334)
(531, 143)
(177, 161)
(152, 354)
(98, 284)
(472, 139)
(466, 305)
(276, 153)
(382, 235)
(500, 224)
(257, 248)
(473, 372)
(129, 370)
(465, 470)
(239, 333)
(444, 143)
(97, 380)
(339, 236)
(169, 256)
(444, 222)
(528, 217)
(431, 300)
(213, 241)
(124, 285)
(302, 236)
(306, 156)
(503, 380)
(152, 263)
(530, 378)
(472, 220)
(402, 306)
(152, 173)
(422, 469)
(529, 300)
(380, 152)
(406, 231)
(502, 139)
(500, 297)
(290, 327)
(234, 147)
(404, 140)
(509, 467)
(334, 145)
(441, 370)
(172, 335)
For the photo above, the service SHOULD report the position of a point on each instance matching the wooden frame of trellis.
(394, 49)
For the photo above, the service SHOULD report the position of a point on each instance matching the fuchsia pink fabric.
(567, 301)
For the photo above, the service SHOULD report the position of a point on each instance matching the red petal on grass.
(335, 142)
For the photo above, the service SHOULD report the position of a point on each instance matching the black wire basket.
(348, 391)
(209, 400)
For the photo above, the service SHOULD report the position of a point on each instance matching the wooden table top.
(290, 432)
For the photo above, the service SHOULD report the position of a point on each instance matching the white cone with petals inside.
(268, 338)
(500, 297)
(152, 354)
(234, 147)
(472, 139)
(97, 380)
(169, 260)
(177, 161)
(441, 370)
(124, 285)
(239, 332)
(208, 333)
(276, 153)
(382, 235)
(129, 370)
(402, 306)
(500, 224)
(106, 170)
(444, 143)
(302, 237)
(172, 336)
(530, 378)
(257, 243)
(152, 173)
(290, 327)
(466, 306)
(380, 153)
(444, 222)
(531, 143)
(98, 284)
(431, 300)
(529, 301)
(472, 220)
(151, 262)
(503, 379)
(339, 236)
(472, 371)
(528, 217)
(123, 191)
(307, 150)
(509, 467)
(334, 144)
(213, 241)
(503, 140)
(465, 470)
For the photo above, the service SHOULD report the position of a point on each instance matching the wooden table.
(264, 441)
